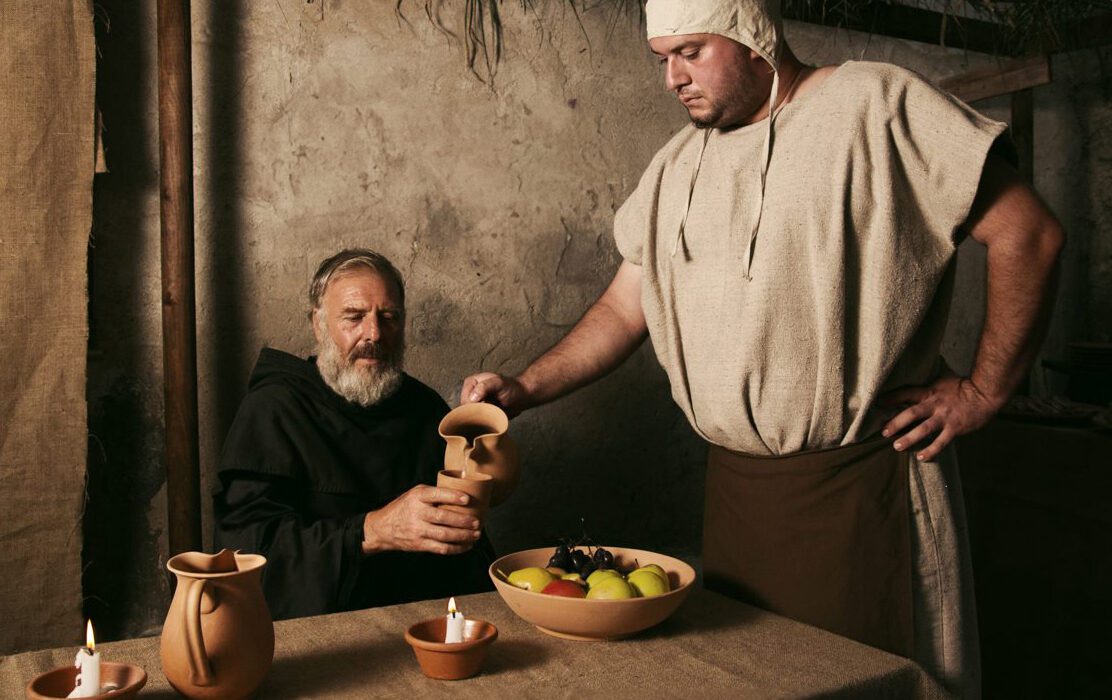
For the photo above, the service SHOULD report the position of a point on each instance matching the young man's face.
(721, 82)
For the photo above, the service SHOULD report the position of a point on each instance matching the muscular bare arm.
(607, 334)
(1023, 240)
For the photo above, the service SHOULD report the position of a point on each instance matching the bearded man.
(330, 465)
(791, 256)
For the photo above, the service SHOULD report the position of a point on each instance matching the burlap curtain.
(47, 125)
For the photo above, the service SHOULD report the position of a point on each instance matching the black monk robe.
(300, 468)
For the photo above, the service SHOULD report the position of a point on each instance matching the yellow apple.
(610, 588)
(600, 574)
(531, 578)
(648, 583)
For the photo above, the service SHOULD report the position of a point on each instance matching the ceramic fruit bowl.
(450, 662)
(59, 682)
(583, 619)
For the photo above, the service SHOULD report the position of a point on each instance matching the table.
(713, 647)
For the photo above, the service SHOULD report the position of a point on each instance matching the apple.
(600, 574)
(648, 583)
(531, 578)
(556, 571)
(565, 588)
(656, 567)
(574, 576)
(610, 588)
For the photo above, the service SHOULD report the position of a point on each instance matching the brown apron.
(821, 536)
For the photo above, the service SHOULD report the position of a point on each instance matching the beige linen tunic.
(870, 177)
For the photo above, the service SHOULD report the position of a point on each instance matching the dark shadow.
(513, 657)
(220, 218)
(695, 617)
(615, 461)
(124, 590)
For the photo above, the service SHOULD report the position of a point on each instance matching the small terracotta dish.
(591, 620)
(450, 662)
(59, 682)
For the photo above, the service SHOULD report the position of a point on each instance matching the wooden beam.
(903, 22)
(1000, 79)
(179, 332)
(941, 29)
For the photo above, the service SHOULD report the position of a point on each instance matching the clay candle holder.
(59, 682)
(479, 486)
(450, 662)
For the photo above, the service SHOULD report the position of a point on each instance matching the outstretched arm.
(607, 334)
(1023, 239)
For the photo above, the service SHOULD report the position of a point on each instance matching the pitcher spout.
(477, 441)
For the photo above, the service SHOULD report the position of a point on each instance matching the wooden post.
(179, 331)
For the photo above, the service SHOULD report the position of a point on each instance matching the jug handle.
(200, 669)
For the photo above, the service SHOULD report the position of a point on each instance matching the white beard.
(365, 386)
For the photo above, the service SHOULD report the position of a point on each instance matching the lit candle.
(454, 634)
(88, 668)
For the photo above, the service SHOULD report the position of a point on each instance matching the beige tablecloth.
(712, 647)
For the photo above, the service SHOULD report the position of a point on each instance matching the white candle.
(88, 668)
(454, 634)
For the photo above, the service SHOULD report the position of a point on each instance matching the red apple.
(570, 589)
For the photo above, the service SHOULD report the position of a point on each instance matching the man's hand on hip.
(412, 522)
(949, 407)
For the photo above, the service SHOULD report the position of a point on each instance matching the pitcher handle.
(200, 669)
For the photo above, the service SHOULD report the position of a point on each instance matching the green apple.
(656, 567)
(600, 574)
(574, 576)
(531, 578)
(610, 588)
(648, 583)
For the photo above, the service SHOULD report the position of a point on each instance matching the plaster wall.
(326, 124)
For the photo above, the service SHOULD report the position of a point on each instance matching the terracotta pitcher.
(478, 441)
(218, 640)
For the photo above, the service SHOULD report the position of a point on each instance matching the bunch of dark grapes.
(603, 559)
(561, 558)
(572, 559)
(582, 563)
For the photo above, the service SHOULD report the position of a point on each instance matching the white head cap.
(754, 23)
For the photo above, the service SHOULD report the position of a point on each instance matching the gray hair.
(346, 260)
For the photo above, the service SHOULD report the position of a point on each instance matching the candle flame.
(90, 640)
(452, 606)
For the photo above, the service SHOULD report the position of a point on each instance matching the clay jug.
(478, 441)
(218, 640)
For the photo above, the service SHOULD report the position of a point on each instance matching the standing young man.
(790, 255)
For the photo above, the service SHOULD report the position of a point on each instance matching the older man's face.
(360, 331)
(721, 82)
